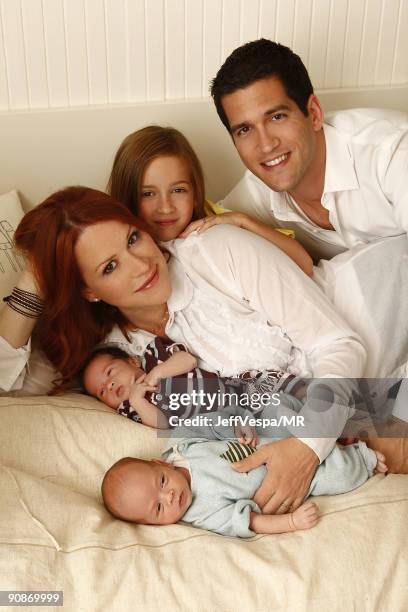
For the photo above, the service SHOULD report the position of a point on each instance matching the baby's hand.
(306, 516)
(301, 391)
(246, 434)
(154, 376)
(139, 389)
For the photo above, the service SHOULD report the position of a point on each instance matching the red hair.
(70, 325)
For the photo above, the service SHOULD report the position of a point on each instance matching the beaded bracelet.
(25, 303)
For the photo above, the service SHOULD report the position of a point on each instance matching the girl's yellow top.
(210, 208)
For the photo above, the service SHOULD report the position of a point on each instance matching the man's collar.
(340, 174)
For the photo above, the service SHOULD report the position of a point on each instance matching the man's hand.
(291, 466)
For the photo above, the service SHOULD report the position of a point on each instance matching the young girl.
(157, 175)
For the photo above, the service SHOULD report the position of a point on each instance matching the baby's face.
(110, 378)
(154, 493)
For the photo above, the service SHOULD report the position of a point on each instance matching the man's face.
(273, 137)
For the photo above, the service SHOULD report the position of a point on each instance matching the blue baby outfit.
(222, 498)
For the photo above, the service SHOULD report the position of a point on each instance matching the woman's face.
(122, 266)
(166, 201)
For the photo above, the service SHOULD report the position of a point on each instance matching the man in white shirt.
(339, 183)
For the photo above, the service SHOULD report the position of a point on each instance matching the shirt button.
(138, 348)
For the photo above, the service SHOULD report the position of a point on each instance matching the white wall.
(67, 53)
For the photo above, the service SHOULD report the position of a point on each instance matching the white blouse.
(240, 303)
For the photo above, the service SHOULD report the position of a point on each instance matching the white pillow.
(11, 263)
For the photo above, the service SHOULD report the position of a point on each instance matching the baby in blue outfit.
(195, 482)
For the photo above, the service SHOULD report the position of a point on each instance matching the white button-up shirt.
(365, 186)
(239, 303)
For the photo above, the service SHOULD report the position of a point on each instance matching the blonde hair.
(135, 154)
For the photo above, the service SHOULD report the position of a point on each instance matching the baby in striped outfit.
(166, 382)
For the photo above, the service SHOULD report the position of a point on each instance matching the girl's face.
(166, 201)
(122, 266)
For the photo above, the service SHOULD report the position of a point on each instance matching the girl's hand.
(201, 225)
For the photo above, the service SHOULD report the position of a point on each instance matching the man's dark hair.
(258, 60)
(114, 351)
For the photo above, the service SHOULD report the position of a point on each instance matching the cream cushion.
(11, 263)
(55, 533)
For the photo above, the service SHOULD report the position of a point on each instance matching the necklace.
(158, 329)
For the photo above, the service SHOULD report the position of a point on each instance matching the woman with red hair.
(51, 236)
(88, 297)
(232, 298)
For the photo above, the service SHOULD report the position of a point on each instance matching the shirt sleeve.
(395, 178)
(270, 283)
(24, 371)
(250, 198)
(13, 364)
(231, 520)
(210, 208)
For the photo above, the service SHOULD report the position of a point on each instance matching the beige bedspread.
(55, 534)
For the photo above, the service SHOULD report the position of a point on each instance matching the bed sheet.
(55, 533)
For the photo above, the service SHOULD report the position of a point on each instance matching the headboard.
(42, 151)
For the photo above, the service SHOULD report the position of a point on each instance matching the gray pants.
(344, 469)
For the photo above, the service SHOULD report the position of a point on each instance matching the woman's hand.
(291, 466)
(27, 280)
(16, 328)
(201, 225)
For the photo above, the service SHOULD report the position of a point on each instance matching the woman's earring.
(96, 300)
